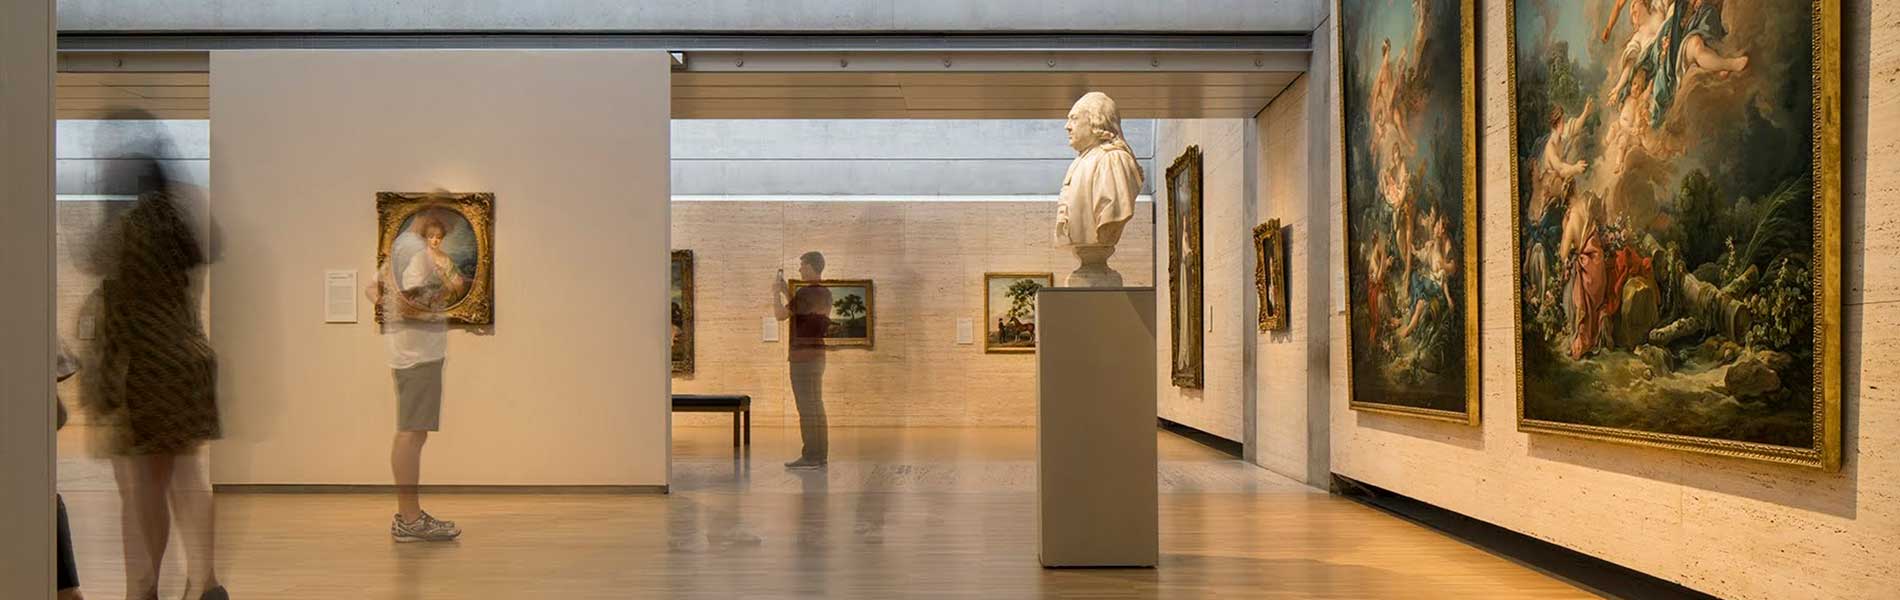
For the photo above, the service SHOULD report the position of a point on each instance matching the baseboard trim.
(275, 488)
(1224, 445)
(1593, 574)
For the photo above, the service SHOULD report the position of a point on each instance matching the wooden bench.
(739, 405)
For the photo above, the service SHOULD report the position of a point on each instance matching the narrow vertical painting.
(1184, 268)
(680, 297)
(1269, 274)
(437, 253)
(1408, 124)
(1676, 219)
(1009, 310)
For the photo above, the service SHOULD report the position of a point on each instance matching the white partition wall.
(570, 385)
(26, 302)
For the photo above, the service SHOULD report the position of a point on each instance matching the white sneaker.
(425, 528)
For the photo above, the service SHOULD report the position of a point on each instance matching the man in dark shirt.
(810, 313)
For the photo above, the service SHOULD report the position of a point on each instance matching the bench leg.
(735, 429)
(748, 427)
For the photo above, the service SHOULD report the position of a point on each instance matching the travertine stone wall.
(1732, 528)
(1285, 360)
(927, 259)
(1227, 272)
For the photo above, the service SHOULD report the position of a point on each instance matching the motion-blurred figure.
(420, 280)
(67, 572)
(153, 384)
(810, 314)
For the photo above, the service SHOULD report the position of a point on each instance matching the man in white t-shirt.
(418, 342)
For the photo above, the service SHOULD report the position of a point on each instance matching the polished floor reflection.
(900, 513)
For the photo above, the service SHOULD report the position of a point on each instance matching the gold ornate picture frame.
(445, 244)
(1013, 329)
(1725, 343)
(1269, 274)
(1384, 373)
(1185, 302)
(853, 322)
(682, 309)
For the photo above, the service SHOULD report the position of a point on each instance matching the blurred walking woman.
(153, 387)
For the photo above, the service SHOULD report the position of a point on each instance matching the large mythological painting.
(437, 251)
(1410, 211)
(1676, 218)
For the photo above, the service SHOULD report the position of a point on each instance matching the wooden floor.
(901, 513)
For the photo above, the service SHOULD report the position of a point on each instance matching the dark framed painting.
(1269, 274)
(1409, 128)
(436, 255)
(1009, 310)
(1676, 206)
(1184, 268)
(852, 320)
(680, 297)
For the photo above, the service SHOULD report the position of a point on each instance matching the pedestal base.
(1094, 271)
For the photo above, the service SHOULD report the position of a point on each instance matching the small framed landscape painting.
(436, 256)
(845, 310)
(1009, 310)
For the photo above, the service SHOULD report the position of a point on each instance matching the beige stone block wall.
(1281, 358)
(926, 258)
(1227, 274)
(1732, 528)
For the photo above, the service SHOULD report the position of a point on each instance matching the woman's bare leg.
(195, 509)
(145, 521)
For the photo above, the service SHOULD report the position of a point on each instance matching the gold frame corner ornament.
(689, 364)
(1472, 414)
(1192, 375)
(1825, 452)
(1269, 274)
(988, 347)
(870, 312)
(393, 208)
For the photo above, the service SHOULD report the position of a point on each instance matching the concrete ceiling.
(780, 95)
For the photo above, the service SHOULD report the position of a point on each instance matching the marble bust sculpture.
(1098, 193)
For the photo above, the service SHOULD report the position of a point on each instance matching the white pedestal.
(1095, 438)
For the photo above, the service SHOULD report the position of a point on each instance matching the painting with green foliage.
(1009, 310)
(1669, 243)
(1410, 210)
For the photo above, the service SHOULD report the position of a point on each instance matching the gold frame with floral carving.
(1269, 274)
(1469, 127)
(1824, 453)
(1192, 372)
(394, 208)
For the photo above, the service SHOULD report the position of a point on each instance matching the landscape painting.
(680, 296)
(1410, 208)
(853, 317)
(1677, 224)
(436, 255)
(1009, 310)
